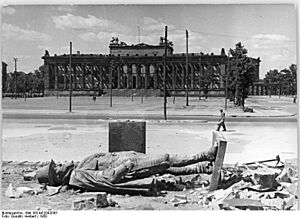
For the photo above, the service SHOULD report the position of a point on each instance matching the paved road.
(75, 139)
(149, 117)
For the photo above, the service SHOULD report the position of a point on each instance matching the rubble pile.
(254, 186)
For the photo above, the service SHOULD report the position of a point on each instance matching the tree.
(241, 74)
(207, 80)
(272, 78)
(285, 80)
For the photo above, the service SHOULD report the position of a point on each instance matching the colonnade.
(134, 75)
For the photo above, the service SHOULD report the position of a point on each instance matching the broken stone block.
(99, 197)
(265, 179)
(290, 203)
(12, 192)
(243, 194)
(29, 176)
(91, 200)
(145, 207)
(293, 188)
(256, 195)
(282, 194)
(243, 204)
(25, 190)
(276, 202)
(293, 163)
(286, 175)
(179, 199)
(85, 203)
(53, 190)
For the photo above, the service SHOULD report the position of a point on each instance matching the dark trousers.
(221, 124)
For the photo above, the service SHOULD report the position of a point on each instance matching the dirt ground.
(65, 141)
(13, 172)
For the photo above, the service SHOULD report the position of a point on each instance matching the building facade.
(137, 68)
(4, 77)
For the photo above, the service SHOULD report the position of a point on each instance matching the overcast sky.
(267, 31)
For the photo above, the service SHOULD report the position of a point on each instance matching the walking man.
(222, 121)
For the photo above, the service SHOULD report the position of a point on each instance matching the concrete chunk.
(90, 200)
(276, 202)
(265, 178)
(85, 203)
(29, 176)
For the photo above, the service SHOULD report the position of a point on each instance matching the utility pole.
(131, 85)
(139, 34)
(187, 69)
(25, 86)
(174, 83)
(200, 74)
(165, 63)
(15, 60)
(110, 86)
(226, 82)
(141, 85)
(147, 68)
(70, 79)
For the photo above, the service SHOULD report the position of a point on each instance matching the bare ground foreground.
(38, 140)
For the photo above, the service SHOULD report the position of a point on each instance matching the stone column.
(65, 76)
(46, 79)
(192, 76)
(222, 75)
(138, 76)
(92, 76)
(173, 76)
(83, 76)
(147, 75)
(183, 76)
(155, 76)
(210, 71)
(129, 76)
(119, 76)
(55, 76)
(74, 77)
(101, 77)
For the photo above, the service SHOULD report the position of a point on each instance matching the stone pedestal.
(127, 136)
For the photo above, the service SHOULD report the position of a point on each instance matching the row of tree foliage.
(241, 75)
(20, 82)
(285, 80)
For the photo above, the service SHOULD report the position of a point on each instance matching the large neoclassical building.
(137, 68)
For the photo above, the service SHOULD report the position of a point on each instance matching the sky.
(268, 31)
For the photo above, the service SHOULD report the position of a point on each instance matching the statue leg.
(184, 160)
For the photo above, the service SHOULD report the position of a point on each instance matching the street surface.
(42, 128)
(61, 140)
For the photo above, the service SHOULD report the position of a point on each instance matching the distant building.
(139, 68)
(4, 77)
(142, 49)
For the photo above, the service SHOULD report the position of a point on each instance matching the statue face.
(62, 170)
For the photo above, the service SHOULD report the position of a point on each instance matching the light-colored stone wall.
(140, 52)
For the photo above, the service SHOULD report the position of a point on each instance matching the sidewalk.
(263, 106)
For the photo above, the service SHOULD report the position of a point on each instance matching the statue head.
(55, 174)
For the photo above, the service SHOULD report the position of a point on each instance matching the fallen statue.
(125, 172)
